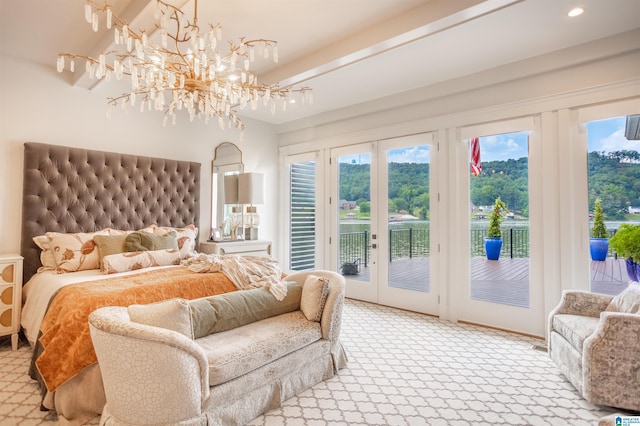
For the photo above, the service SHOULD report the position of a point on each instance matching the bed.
(79, 193)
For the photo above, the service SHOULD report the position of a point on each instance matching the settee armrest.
(611, 361)
(332, 314)
(138, 360)
(576, 302)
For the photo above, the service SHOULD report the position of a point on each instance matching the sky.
(504, 147)
(603, 135)
(608, 135)
(413, 154)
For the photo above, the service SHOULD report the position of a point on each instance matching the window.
(302, 205)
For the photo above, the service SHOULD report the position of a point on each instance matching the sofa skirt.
(231, 404)
(567, 358)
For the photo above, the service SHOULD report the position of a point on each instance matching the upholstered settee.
(222, 360)
(594, 340)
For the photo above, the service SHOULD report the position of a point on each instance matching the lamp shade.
(231, 189)
(251, 188)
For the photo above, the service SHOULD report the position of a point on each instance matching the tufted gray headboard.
(79, 190)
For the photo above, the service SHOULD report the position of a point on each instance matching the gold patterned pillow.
(76, 251)
(133, 261)
(47, 258)
(186, 238)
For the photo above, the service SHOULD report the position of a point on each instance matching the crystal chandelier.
(186, 70)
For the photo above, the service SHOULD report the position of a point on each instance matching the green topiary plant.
(496, 217)
(626, 241)
(599, 229)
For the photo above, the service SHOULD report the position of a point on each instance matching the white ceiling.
(348, 51)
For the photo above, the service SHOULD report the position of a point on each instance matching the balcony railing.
(515, 242)
(410, 242)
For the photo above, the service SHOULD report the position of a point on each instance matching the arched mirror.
(227, 160)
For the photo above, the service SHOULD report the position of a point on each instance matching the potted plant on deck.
(626, 243)
(493, 240)
(599, 242)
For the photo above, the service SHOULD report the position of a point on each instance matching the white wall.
(561, 79)
(37, 104)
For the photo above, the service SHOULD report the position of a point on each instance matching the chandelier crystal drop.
(186, 70)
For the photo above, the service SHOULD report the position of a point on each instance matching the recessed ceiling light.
(577, 11)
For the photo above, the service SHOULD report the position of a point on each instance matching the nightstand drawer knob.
(7, 296)
(7, 274)
(5, 318)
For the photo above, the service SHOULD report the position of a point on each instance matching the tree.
(599, 229)
(401, 204)
(421, 209)
(365, 207)
(496, 217)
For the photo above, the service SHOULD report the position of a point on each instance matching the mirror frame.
(227, 159)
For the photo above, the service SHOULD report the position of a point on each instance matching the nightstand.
(240, 247)
(10, 296)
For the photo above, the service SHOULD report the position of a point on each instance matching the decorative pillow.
(186, 238)
(108, 245)
(124, 262)
(75, 252)
(143, 241)
(172, 314)
(47, 258)
(314, 296)
(231, 310)
(628, 301)
(118, 231)
(151, 229)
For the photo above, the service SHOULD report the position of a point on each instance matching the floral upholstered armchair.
(594, 340)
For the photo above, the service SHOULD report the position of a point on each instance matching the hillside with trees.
(613, 177)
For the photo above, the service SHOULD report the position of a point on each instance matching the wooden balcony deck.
(505, 281)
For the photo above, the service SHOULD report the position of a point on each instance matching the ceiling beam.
(423, 21)
(139, 15)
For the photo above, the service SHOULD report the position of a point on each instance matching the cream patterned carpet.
(404, 369)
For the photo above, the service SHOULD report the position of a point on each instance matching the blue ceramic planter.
(492, 247)
(599, 248)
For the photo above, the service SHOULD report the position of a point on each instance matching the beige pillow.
(108, 245)
(172, 314)
(628, 301)
(123, 262)
(143, 241)
(314, 297)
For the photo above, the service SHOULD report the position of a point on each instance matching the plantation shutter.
(303, 216)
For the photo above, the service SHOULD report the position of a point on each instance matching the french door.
(505, 293)
(381, 220)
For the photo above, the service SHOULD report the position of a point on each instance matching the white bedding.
(42, 286)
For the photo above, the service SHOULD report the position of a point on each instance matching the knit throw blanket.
(246, 272)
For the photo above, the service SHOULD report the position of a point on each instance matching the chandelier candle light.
(186, 70)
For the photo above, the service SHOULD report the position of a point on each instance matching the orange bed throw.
(65, 334)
